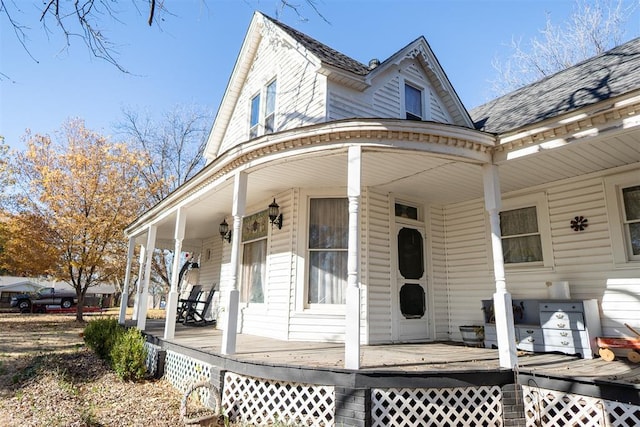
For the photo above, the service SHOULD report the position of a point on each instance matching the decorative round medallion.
(579, 223)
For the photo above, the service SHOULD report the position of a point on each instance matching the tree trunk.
(79, 307)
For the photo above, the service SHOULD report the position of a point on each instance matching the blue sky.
(188, 57)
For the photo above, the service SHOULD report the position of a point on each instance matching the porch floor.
(413, 358)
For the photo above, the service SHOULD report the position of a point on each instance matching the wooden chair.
(195, 314)
(184, 304)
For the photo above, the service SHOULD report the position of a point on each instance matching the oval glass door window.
(410, 254)
(412, 301)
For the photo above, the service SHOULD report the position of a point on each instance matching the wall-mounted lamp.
(275, 217)
(225, 233)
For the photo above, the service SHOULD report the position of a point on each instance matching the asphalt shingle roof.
(607, 75)
(326, 54)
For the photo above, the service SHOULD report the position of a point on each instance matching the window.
(413, 102)
(631, 219)
(263, 116)
(254, 260)
(521, 240)
(623, 205)
(327, 251)
(255, 116)
(270, 108)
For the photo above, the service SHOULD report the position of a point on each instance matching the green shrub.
(101, 334)
(128, 355)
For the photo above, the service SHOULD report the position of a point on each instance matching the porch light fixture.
(225, 233)
(275, 217)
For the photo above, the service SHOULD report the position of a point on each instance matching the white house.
(400, 210)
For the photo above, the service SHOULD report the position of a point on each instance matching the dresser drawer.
(562, 320)
(565, 338)
(561, 306)
(530, 338)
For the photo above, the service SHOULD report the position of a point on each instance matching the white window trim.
(425, 112)
(258, 125)
(302, 265)
(613, 185)
(539, 200)
(262, 109)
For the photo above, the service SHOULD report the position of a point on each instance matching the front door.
(410, 313)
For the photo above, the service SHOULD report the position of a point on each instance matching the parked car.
(38, 301)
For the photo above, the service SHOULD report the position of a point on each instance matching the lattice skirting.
(182, 371)
(263, 402)
(406, 407)
(544, 407)
(152, 357)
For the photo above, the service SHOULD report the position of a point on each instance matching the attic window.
(413, 102)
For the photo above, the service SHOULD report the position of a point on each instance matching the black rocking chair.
(184, 304)
(197, 310)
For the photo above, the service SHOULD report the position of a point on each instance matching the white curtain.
(520, 237)
(253, 271)
(328, 242)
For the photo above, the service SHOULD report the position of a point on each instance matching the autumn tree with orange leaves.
(72, 199)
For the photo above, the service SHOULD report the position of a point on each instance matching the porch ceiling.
(408, 174)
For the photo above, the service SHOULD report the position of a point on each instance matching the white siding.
(384, 97)
(377, 262)
(438, 283)
(300, 93)
(584, 258)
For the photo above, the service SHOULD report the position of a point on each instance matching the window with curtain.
(413, 102)
(521, 240)
(270, 109)
(327, 251)
(631, 220)
(255, 116)
(254, 260)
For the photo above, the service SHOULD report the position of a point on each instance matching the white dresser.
(566, 326)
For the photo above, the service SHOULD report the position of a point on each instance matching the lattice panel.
(264, 402)
(181, 371)
(463, 406)
(551, 408)
(152, 357)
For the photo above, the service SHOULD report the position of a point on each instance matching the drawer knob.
(561, 325)
(529, 331)
(560, 315)
(565, 342)
(564, 334)
(530, 339)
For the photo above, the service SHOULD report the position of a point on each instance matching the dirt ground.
(49, 378)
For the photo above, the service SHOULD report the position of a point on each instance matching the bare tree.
(86, 20)
(175, 146)
(594, 27)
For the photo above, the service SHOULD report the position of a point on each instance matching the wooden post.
(136, 297)
(231, 324)
(501, 299)
(143, 303)
(124, 299)
(172, 299)
(352, 316)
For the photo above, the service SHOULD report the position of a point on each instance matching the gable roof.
(323, 52)
(604, 76)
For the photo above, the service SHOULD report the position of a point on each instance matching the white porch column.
(231, 329)
(352, 316)
(136, 296)
(125, 288)
(172, 299)
(143, 288)
(501, 299)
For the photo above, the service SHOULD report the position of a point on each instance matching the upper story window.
(270, 109)
(254, 124)
(327, 251)
(263, 114)
(413, 102)
(623, 205)
(631, 219)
